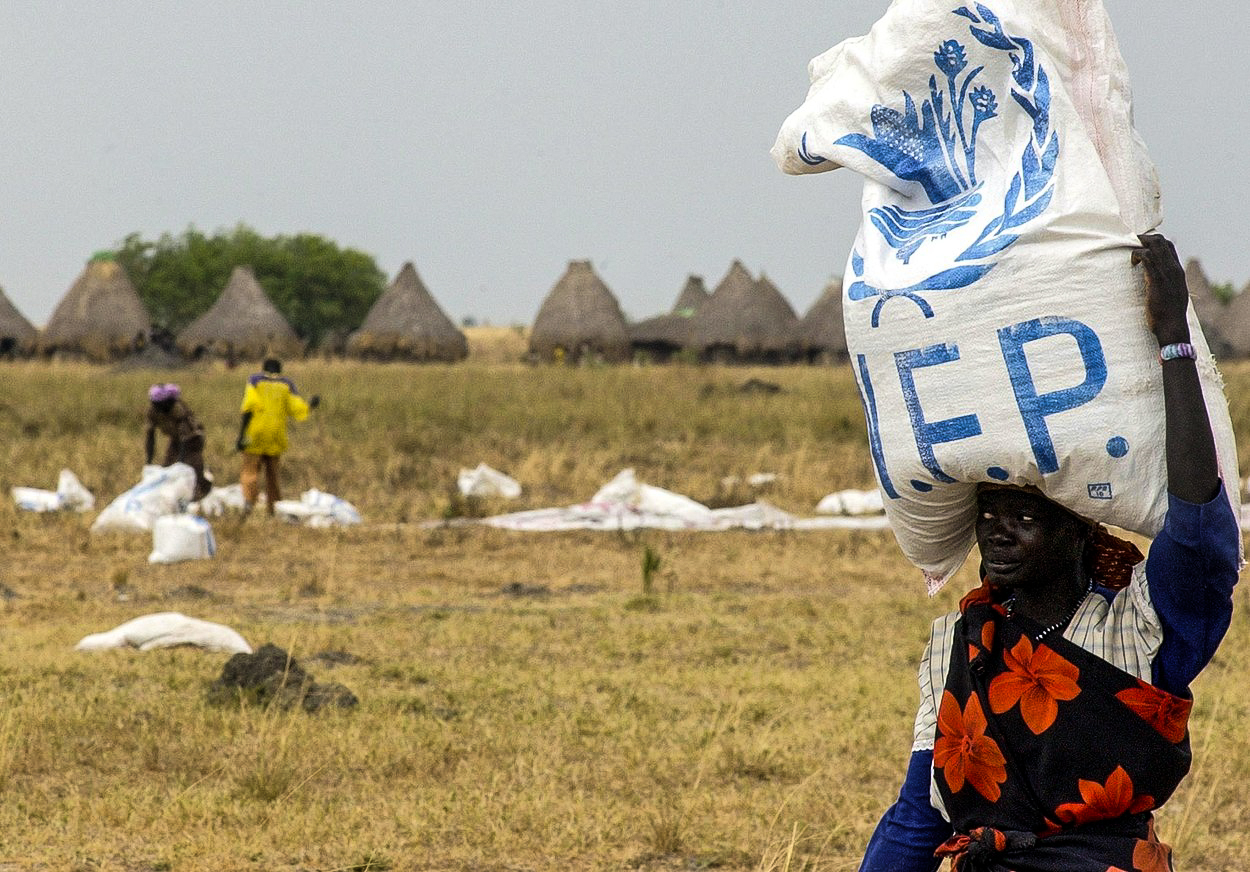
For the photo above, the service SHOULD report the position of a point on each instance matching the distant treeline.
(320, 288)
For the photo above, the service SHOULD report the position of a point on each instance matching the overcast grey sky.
(491, 143)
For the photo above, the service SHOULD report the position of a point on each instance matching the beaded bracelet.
(1177, 351)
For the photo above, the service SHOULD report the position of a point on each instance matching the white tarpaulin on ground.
(167, 630)
(70, 495)
(627, 504)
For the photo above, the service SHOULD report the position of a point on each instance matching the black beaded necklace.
(1010, 606)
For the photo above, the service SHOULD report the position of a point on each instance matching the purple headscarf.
(161, 393)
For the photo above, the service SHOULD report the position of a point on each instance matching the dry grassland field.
(524, 703)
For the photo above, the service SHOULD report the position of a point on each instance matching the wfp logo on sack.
(934, 147)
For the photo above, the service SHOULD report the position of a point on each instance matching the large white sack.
(483, 481)
(163, 490)
(167, 630)
(993, 317)
(176, 538)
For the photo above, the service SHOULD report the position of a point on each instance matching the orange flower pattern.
(1007, 692)
(1104, 801)
(1036, 679)
(1166, 713)
(964, 753)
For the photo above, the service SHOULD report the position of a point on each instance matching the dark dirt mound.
(759, 386)
(270, 676)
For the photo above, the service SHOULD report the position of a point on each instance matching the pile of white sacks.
(160, 504)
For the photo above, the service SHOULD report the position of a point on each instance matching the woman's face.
(1025, 539)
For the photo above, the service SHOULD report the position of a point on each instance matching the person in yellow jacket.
(268, 401)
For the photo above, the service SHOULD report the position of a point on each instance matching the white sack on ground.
(219, 501)
(163, 490)
(70, 495)
(316, 508)
(852, 502)
(176, 538)
(994, 320)
(33, 499)
(624, 503)
(625, 493)
(167, 630)
(482, 481)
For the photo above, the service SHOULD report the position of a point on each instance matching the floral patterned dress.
(1048, 758)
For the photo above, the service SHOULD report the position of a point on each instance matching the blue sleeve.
(912, 829)
(1191, 571)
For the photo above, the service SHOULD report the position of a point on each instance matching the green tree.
(319, 287)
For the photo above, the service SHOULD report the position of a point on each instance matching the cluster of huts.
(101, 318)
(743, 319)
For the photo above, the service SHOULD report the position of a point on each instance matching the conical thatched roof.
(580, 316)
(100, 316)
(1212, 312)
(822, 332)
(745, 319)
(670, 332)
(16, 333)
(243, 323)
(405, 323)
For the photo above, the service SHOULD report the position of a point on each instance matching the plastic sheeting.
(624, 503)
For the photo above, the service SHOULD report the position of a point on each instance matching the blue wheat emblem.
(934, 146)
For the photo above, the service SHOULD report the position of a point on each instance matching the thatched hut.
(1212, 312)
(406, 324)
(692, 297)
(101, 316)
(821, 332)
(242, 324)
(745, 321)
(17, 335)
(661, 337)
(580, 319)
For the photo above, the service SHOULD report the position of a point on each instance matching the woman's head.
(1027, 540)
(163, 394)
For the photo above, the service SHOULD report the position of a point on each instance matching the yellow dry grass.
(523, 704)
(497, 344)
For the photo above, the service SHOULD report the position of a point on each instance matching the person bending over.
(169, 413)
